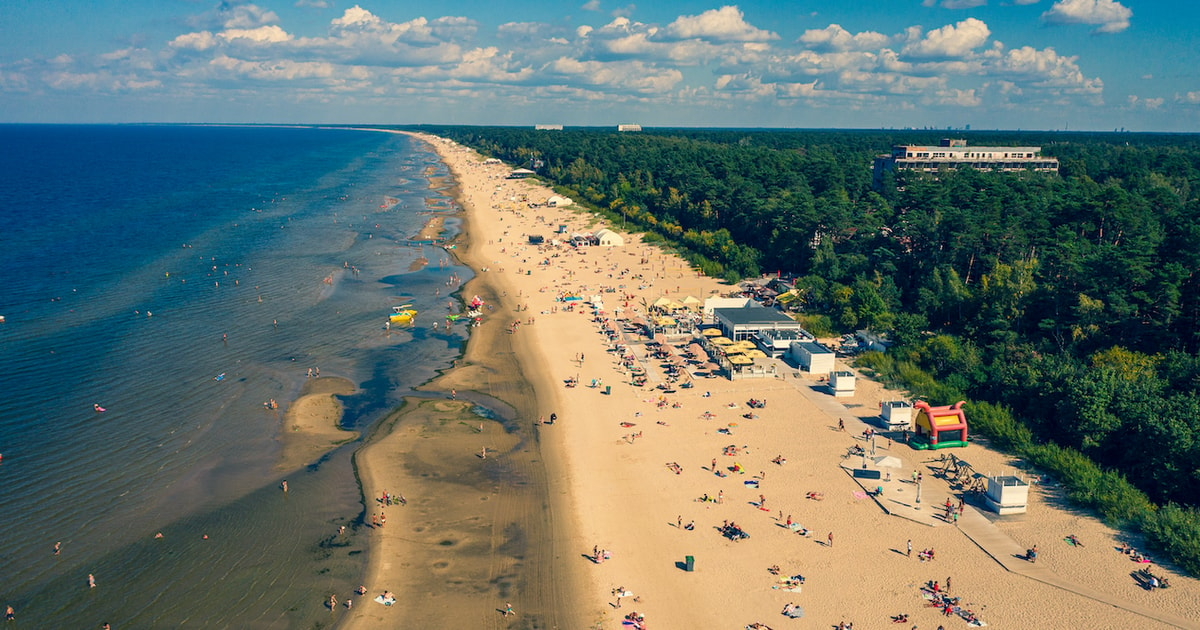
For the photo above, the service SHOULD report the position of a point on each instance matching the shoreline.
(623, 471)
(522, 565)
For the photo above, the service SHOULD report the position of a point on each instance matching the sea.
(179, 277)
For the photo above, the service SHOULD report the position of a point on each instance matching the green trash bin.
(689, 563)
(608, 390)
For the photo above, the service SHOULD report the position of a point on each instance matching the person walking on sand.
(830, 538)
(508, 609)
(909, 554)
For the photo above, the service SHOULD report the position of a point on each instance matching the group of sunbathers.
(676, 468)
(732, 531)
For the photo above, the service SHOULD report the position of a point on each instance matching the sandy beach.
(624, 469)
(311, 424)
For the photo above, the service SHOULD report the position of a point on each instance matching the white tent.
(558, 201)
(608, 238)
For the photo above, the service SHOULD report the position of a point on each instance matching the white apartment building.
(953, 153)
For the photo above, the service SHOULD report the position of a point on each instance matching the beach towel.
(859, 494)
(796, 613)
(790, 589)
(386, 602)
(753, 483)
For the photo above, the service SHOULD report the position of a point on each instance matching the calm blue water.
(140, 262)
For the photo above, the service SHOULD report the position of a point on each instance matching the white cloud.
(624, 11)
(357, 16)
(952, 40)
(1045, 68)
(630, 76)
(834, 37)
(1024, 2)
(245, 16)
(72, 80)
(591, 5)
(489, 65)
(194, 41)
(727, 24)
(261, 35)
(284, 70)
(1109, 16)
(959, 98)
(316, 4)
(1191, 98)
(956, 4)
(1136, 102)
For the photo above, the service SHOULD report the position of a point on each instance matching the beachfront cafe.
(746, 323)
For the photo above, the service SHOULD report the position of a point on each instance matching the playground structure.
(939, 427)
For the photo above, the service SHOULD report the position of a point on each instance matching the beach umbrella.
(887, 461)
(721, 341)
(738, 359)
(711, 367)
(756, 354)
(662, 302)
(691, 301)
(711, 332)
(695, 348)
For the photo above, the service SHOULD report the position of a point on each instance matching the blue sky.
(1029, 64)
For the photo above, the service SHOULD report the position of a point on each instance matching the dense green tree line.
(1071, 300)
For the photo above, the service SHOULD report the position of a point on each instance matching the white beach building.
(608, 238)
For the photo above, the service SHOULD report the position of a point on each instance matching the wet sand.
(486, 530)
(311, 425)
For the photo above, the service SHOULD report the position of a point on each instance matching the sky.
(988, 64)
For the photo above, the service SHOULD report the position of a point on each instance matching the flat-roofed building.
(812, 356)
(745, 323)
(952, 154)
(629, 127)
(548, 127)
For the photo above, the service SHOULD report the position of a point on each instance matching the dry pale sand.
(611, 488)
(311, 425)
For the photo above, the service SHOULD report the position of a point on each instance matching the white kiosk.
(897, 415)
(1007, 494)
(841, 384)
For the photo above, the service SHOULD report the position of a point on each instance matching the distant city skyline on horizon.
(920, 65)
